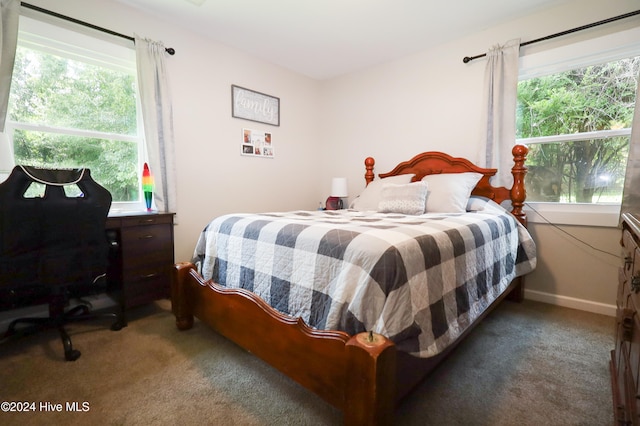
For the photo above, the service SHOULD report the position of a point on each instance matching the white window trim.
(12, 125)
(35, 32)
(622, 44)
(604, 215)
(611, 47)
(584, 136)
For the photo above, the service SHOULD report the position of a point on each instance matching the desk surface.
(125, 213)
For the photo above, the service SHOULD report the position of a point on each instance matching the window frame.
(79, 43)
(607, 48)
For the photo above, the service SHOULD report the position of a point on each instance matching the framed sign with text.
(254, 106)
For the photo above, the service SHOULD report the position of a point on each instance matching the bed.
(358, 305)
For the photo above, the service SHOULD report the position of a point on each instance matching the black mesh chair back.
(53, 244)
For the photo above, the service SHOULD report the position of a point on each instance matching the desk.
(142, 258)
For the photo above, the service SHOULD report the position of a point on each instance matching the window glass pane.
(599, 97)
(34, 190)
(595, 99)
(73, 103)
(113, 163)
(589, 171)
(61, 92)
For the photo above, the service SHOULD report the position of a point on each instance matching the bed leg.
(517, 293)
(370, 395)
(179, 303)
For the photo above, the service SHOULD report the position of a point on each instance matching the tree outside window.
(65, 112)
(577, 124)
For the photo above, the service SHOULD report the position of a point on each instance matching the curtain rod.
(169, 50)
(573, 30)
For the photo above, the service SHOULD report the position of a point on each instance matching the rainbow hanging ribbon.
(147, 186)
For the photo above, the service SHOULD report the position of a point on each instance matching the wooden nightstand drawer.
(147, 284)
(134, 221)
(140, 268)
(145, 244)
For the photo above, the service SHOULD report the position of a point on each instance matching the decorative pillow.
(477, 203)
(449, 192)
(408, 198)
(372, 194)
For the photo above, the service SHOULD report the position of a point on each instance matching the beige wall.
(431, 101)
(213, 178)
(427, 101)
(569, 273)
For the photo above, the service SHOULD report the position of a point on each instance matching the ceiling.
(326, 38)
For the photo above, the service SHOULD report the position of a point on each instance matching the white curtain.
(631, 191)
(9, 16)
(501, 85)
(157, 115)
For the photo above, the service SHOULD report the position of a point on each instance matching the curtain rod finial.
(466, 59)
(170, 50)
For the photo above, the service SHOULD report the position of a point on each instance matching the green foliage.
(102, 156)
(64, 94)
(595, 98)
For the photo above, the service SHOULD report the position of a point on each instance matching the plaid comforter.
(419, 280)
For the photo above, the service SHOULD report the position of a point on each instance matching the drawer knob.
(146, 277)
(626, 323)
(635, 283)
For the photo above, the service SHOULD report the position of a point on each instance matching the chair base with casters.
(59, 316)
(53, 249)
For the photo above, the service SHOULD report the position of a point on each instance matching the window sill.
(127, 207)
(573, 214)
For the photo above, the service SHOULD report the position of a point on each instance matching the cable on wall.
(548, 222)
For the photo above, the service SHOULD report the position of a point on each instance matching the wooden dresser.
(142, 256)
(625, 358)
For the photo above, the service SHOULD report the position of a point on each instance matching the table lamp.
(338, 190)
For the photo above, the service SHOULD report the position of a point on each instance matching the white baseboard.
(571, 302)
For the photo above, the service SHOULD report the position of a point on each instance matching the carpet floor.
(526, 364)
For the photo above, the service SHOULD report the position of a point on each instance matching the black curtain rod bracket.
(467, 59)
(169, 50)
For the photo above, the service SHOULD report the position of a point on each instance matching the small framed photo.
(257, 143)
(254, 106)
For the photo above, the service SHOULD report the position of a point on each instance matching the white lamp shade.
(339, 187)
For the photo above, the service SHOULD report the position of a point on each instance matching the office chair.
(53, 248)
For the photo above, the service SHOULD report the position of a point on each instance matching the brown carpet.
(526, 364)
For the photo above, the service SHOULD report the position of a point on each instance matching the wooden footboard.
(362, 375)
(356, 374)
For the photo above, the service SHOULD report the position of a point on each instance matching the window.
(73, 103)
(577, 125)
(575, 115)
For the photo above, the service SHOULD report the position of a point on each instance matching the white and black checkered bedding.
(419, 280)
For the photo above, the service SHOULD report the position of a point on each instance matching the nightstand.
(141, 258)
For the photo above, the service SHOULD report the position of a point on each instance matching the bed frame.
(362, 375)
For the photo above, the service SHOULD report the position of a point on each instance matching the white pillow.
(483, 204)
(372, 194)
(476, 203)
(449, 192)
(408, 198)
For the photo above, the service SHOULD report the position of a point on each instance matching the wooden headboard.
(434, 162)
